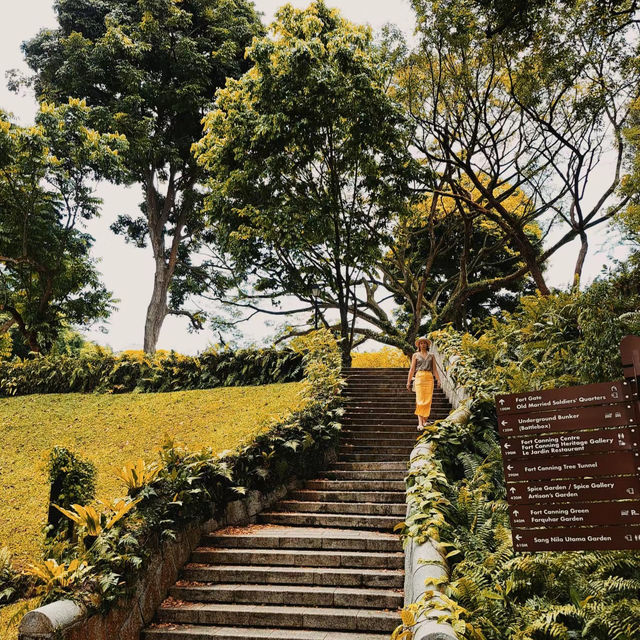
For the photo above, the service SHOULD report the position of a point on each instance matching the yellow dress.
(424, 390)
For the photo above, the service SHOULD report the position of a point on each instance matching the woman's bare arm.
(411, 370)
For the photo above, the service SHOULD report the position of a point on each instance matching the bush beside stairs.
(322, 564)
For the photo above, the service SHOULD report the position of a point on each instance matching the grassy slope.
(110, 430)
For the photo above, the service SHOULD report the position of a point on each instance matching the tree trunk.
(345, 342)
(584, 248)
(157, 309)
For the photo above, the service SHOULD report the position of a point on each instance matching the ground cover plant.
(492, 593)
(110, 430)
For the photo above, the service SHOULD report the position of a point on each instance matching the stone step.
(373, 457)
(398, 385)
(369, 466)
(298, 557)
(203, 632)
(323, 618)
(384, 435)
(319, 576)
(347, 508)
(411, 420)
(407, 430)
(379, 441)
(392, 418)
(301, 538)
(307, 595)
(349, 448)
(339, 474)
(398, 497)
(349, 521)
(355, 484)
(386, 417)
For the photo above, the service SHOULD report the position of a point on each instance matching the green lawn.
(110, 430)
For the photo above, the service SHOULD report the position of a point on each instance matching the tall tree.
(47, 276)
(308, 158)
(443, 264)
(150, 69)
(544, 118)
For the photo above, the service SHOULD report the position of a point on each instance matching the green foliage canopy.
(307, 157)
(47, 276)
(150, 69)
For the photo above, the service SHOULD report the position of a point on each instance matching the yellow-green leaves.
(136, 475)
(51, 575)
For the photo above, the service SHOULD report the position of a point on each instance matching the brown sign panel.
(564, 397)
(576, 539)
(579, 514)
(595, 465)
(560, 444)
(613, 415)
(573, 490)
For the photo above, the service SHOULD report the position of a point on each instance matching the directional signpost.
(572, 463)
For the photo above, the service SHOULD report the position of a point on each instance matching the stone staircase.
(322, 564)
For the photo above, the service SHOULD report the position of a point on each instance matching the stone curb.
(423, 561)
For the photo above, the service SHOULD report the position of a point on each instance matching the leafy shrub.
(72, 481)
(385, 358)
(109, 545)
(100, 370)
(12, 583)
(460, 500)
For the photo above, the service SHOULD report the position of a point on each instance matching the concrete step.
(349, 521)
(355, 439)
(379, 449)
(349, 508)
(320, 576)
(296, 595)
(390, 412)
(298, 557)
(411, 420)
(406, 430)
(301, 538)
(355, 484)
(388, 497)
(369, 466)
(376, 457)
(273, 616)
(339, 474)
(383, 436)
(203, 632)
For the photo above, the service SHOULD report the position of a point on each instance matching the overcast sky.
(128, 271)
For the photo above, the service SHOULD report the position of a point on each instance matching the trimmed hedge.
(106, 372)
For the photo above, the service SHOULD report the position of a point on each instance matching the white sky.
(128, 271)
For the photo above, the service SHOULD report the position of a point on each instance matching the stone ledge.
(422, 562)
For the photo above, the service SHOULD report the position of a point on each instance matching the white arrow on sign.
(516, 513)
(509, 467)
(518, 537)
(501, 400)
(513, 489)
(507, 446)
(504, 422)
